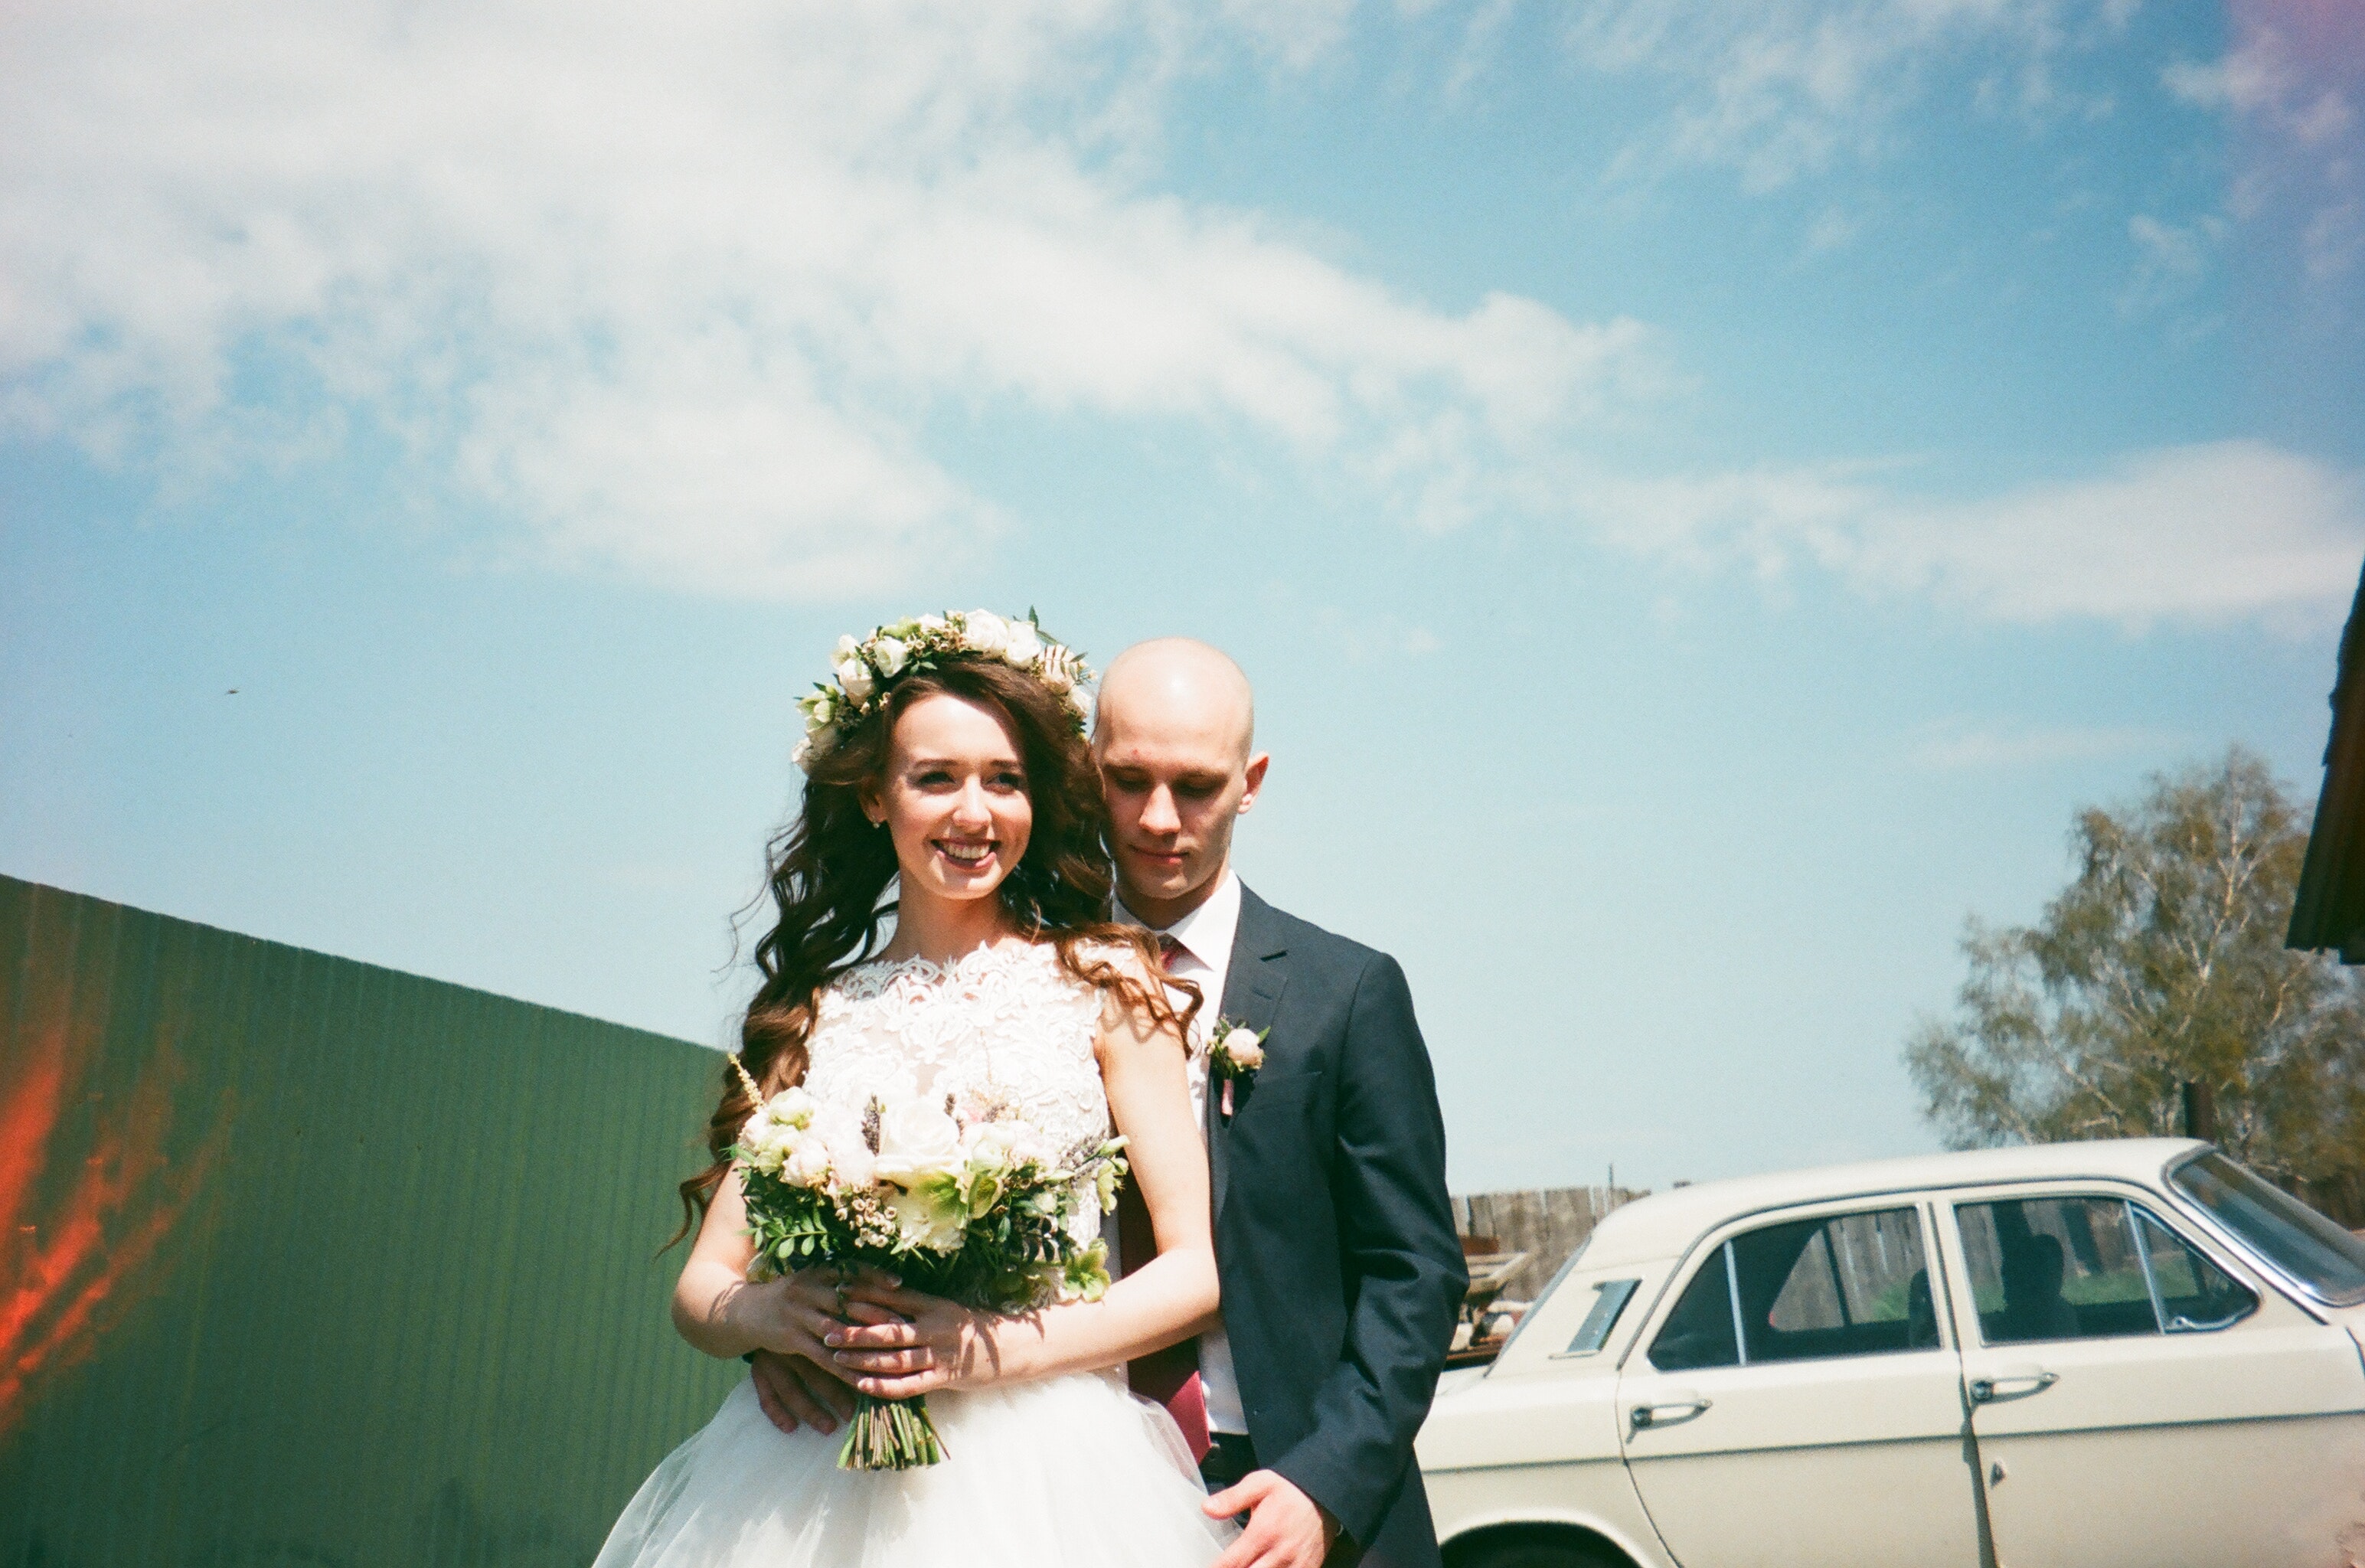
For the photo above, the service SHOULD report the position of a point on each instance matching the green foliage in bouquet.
(976, 1213)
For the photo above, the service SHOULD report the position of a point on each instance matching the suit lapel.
(1252, 987)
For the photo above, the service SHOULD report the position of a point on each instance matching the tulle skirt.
(1070, 1470)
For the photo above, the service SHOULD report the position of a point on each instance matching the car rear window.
(1854, 1284)
(1610, 1299)
(2322, 1257)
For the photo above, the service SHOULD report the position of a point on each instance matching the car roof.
(1667, 1223)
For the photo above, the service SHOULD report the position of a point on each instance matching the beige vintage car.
(2074, 1356)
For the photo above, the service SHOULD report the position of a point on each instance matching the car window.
(1699, 1332)
(1838, 1285)
(2302, 1243)
(1845, 1285)
(1610, 1300)
(2077, 1268)
(2189, 1294)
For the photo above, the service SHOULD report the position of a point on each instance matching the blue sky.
(1705, 493)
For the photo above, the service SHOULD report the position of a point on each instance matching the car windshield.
(2318, 1254)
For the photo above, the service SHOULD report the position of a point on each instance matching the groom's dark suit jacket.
(1341, 1271)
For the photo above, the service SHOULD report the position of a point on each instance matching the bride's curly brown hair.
(830, 870)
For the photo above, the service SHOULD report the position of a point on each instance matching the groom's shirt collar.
(1207, 932)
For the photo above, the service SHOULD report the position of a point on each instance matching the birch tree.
(2161, 964)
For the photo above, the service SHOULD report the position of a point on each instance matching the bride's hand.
(794, 1312)
(932, 1344)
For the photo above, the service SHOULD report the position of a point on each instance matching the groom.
(1334, 1238)
(1342, 1273)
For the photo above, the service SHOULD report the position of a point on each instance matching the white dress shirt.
(1205, 935)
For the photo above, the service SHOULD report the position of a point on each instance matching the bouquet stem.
(889, 1434)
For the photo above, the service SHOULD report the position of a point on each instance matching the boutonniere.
(1235, 1051)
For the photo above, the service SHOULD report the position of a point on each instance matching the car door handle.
(2010, 1385)
(1664, 1415)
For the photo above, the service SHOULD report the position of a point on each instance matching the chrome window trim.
(2143, 1260)
(1733, 1293)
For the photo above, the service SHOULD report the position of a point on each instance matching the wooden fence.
(1547, 1224)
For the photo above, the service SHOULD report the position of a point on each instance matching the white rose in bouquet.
(807, 1162)
(916, 1139)
(840, 1131)
(992, 1145)
(775, 1129)
(1004, 1146)
(920, 1159)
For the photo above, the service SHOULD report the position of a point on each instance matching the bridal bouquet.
(963, 1202)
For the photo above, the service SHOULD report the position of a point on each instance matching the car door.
(2140, 1398)
(1798, 1404)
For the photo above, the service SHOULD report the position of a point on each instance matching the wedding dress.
(1064, 1470)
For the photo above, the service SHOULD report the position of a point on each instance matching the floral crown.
(867, 668)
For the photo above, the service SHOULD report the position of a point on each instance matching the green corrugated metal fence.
(313, 1262)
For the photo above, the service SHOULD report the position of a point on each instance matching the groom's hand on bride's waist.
(795, 1392)
(1286, 1529)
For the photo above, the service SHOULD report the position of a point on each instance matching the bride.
(951, 759)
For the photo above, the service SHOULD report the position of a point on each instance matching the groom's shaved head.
(1172, 684)
(1174, 734)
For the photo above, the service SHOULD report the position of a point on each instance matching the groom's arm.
(1395, 1227)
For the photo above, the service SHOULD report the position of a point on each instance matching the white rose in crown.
(1025, 645)
(889, 656)
(854, 678)
(985, 632)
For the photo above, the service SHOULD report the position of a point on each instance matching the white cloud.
(1963, 746)
(1786, 88)
(2202, 534)
(680, 289)
(2293, 80)
(2170, 260)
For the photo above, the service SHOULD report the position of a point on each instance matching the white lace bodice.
(1004, 1024)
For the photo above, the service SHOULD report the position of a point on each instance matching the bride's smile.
(954, 800)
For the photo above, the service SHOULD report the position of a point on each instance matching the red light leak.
(80, 1268)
